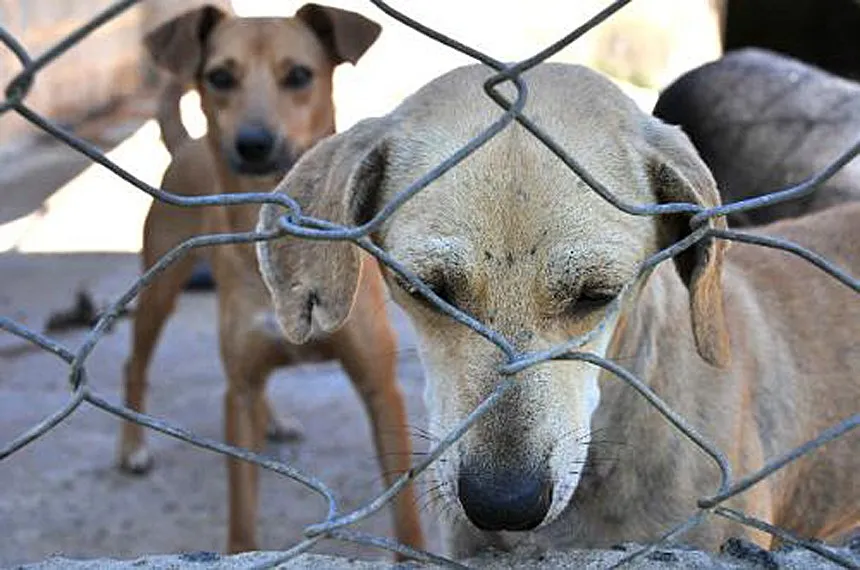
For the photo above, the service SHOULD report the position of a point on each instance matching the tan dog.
(517, 240)
(266, 91)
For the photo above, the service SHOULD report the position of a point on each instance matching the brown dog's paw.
(284, 430)
(138, 462)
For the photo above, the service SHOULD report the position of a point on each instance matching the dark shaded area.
(28, 178)
(822, 32)
(748, 552)
(82, 315)
(764, 122)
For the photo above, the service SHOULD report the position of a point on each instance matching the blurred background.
(103, 87)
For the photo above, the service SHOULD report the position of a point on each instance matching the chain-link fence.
(337, 525)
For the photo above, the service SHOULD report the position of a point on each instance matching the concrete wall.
(104, 66)
(648, 44)
(736, 556)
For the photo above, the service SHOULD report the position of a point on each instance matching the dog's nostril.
(509, 500)
(254, 143)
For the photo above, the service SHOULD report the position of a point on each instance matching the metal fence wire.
(294, 223)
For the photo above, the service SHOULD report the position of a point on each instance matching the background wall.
(101, 69)
(648, 44)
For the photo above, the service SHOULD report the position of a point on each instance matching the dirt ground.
(63, 494)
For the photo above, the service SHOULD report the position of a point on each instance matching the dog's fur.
(763, 122)
(517, 240)
(261, 94)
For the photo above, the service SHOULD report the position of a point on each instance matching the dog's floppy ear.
(177, 45)
(346, 35)
(313, 283)
(678, 174)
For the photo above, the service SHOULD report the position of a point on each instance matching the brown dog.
(520, 242)
(266, 92)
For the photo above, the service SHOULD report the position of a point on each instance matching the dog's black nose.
(506, 500)
(254, 143)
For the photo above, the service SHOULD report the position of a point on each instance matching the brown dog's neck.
(238, 218)
(636, 458)
(652, 333)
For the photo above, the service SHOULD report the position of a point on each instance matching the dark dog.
(762, 122)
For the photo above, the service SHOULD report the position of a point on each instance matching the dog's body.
(514, 238)
(763, 122)
(265, 88)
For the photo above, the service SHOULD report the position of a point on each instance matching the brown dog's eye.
(297, 77)
(221, 79)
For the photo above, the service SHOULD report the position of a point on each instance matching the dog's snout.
(506, 500)
(255, 143)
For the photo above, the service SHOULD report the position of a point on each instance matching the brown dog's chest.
(265, 324)
(247, 311)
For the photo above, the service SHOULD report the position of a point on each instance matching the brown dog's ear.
(313, 283)
(346, 35)
(177, 45)
(678, 174)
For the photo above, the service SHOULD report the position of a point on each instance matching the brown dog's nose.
(505, 500)
(254, 143)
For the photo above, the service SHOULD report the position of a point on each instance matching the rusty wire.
(294, 223)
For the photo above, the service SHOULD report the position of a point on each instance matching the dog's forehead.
(270, 39)
(557, 237)
(513, 196)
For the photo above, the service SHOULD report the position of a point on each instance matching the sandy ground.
(737, 556)
(63, 493)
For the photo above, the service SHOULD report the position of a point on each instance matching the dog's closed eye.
(579, 298)
(437, 284)
(591, 299)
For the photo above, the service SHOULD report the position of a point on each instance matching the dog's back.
(792, 376)
(805, 364)
(762, 122)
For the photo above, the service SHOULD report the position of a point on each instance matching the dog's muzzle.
(513, 500)
(258, 151)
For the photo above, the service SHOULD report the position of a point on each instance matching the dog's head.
(265, 83)
(515, 239)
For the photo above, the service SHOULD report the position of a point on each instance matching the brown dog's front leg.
(154, 306)
(244, 413)
(386, 408)
(368, 352)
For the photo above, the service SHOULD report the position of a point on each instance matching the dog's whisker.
(412, 430)
(436, 504)
(607, 443)
(433, 489)
(423, 432)
(432, 493)
(404, 453)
